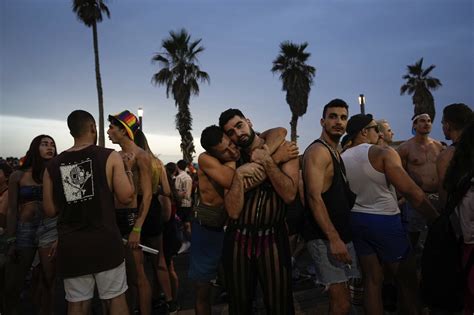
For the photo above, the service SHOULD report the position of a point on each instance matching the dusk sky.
(47, 62)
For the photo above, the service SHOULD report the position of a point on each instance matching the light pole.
(140, 117)
(362, 103)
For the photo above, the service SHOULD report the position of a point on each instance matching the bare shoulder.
(405, 146)
(436, 143)
(317, 153)
(205, 159)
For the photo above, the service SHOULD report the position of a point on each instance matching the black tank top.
(89, 240)
(337, 204)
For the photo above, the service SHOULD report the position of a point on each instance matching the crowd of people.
(88, 215)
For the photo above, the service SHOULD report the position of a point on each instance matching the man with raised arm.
(80, 185)
(216, 171)
(256, 246)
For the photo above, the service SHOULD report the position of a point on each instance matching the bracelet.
(137, 229)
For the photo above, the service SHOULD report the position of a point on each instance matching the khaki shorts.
(110, 284)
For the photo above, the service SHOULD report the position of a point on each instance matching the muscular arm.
(13, 185)
(274, 138)
(234, 197)
(403, 153)
(399, 178)
(120, 182)
(316, 162)
(284, 180)
(214, 169)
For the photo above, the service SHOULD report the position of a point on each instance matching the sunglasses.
(376, 128)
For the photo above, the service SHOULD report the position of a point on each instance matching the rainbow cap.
(129, 121)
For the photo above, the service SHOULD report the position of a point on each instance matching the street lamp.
(362, 103)
(140, 117)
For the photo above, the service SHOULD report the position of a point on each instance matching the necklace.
(333, 151)
(81, 145)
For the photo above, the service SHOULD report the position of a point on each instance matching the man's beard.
(247, 143)
(333, 137)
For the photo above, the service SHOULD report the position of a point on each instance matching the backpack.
(443, 278)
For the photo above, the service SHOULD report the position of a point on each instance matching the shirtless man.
(419, 156)
(455, 118)
(256, 242)
(385, 132)
(130, 216)
(216, 170)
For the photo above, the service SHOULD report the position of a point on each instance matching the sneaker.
(172, 307)
(184, 247)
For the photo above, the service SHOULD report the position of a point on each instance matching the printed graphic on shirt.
(78, 181)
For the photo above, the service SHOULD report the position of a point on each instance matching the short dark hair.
(228, 115)
(78, 121)
(182, 164)
(337, 102)
(458, 115)
(210, 137)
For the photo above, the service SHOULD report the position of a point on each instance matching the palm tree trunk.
(184, 126)
(99, 86)
(293, 124)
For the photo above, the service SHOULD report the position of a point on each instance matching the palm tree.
(180, 74)
(419, 83)
(297, 77)
(90, 12)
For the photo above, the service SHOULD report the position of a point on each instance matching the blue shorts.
(382, 235)
(328, 269)
(206, 252)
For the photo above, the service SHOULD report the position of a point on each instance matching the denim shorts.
(328, 269)
(206, 252)
(382, 235)
(26, 234)
(47, 232)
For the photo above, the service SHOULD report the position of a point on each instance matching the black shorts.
(171, 241)
(153, 224)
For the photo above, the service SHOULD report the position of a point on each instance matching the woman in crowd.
(28, 229)
(159, 212)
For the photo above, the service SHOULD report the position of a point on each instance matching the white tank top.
(374, 194)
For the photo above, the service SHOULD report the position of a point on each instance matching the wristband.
(137, 229)
(11, 240)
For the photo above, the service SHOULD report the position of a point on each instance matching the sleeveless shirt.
(89, 240)
(374, 194)
(336, 202)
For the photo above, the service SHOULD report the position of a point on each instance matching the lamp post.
(362, 103)
(140, 117)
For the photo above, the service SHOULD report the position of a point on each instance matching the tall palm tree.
(180, 74)
(297, 77)
(90, 12)
(419, 83)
